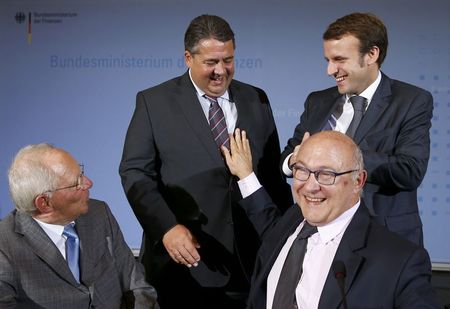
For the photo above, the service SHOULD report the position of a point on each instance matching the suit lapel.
(292, 222)
(353, 240)
(379, 103)
(43, 246)
(322, 110)
(188, 102)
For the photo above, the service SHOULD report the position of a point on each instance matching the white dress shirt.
(344, 120)
(228, 107)
(55, 233)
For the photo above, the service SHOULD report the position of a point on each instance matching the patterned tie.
(72, 250)
(359, 106)
(218, 123)
(291, 272)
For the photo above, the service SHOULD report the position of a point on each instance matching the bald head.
(328, 176)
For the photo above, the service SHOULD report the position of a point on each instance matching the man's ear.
(41, 203)
(361, 180)
(188, 58)
(373, 55)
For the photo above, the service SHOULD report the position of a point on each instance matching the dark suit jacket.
(394, 138)
(34, 274)
(383, 269)
(172, 172)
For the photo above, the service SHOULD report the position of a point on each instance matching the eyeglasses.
(326, 178)
(78, 185)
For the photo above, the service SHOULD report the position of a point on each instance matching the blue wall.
(73, 81)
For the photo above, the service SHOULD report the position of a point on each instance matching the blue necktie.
(72, 250)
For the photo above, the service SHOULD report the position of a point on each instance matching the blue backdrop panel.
(69, 73)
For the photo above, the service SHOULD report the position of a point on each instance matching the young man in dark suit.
(393, 133)
(348, 260)
(199, 248)
(60, 249)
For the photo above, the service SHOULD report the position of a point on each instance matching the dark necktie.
(218, 123)
(359, 106)
(291, 272)
(72, 250)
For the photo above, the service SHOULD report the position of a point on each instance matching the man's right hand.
(182, 246)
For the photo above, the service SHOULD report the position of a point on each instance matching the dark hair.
(207, 27)
(366, 27)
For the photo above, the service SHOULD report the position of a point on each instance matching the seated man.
(58, 248)
(350, 260)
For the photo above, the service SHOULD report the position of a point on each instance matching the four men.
(200, 239)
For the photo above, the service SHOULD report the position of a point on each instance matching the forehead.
(325, 153)
(213, 46)
(63, 163)
(345, 43)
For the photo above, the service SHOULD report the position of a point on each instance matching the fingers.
(305, 136)
(294, 158)
(182, 246)
(186, 256)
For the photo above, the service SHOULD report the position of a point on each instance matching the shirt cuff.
(286, 170)
(249, 185)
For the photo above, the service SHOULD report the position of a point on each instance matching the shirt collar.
(369, 91)
(329, 231)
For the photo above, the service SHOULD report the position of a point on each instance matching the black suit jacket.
(383, 269)
(172, 172)
(394, 138)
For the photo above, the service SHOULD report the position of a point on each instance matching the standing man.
(60, 249)
(327, 252)
(391, 123)
(199, 247)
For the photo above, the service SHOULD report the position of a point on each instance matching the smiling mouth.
(314, 199)
(340, 78)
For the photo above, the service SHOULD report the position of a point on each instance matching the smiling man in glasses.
(60, 249)
(326, 251)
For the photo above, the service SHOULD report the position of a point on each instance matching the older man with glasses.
(327, 251)
(60, 249)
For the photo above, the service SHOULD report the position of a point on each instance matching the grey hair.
(359, 164)
(29, 176)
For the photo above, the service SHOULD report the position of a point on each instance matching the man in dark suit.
(394, 131)
(374, 267)
(58, 248)
(199, 247)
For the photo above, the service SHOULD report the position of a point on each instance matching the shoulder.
(405, 89)
(97, 210)
(162, 88)
(7, 225)
(328, 94)
(387, 245)
(243, 89)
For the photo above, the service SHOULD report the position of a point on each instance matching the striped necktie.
(218, 123)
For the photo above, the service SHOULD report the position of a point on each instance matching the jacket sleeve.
(414, 289)
(139, 171)
(137, 293)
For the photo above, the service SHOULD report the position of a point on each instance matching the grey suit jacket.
(395, 141)
(383, 269)
(33, 273)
